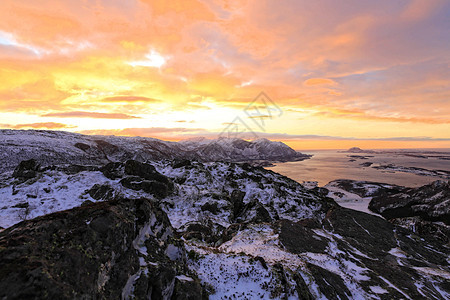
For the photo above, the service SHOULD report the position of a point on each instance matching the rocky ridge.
(424, 210)
(58, 147)
(221, 230)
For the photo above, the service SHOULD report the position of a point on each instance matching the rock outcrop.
(430, 202)
(425, 210)
(107, 250)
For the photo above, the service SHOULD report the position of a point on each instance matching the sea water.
(328, 165)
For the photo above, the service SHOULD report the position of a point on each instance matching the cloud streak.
(94, 115)
(46, 125)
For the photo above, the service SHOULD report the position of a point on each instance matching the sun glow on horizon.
(365, 74)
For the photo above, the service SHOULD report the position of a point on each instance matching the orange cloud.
(46, 125)
(95, 115)
(319, 81)
(362, 115)
(129, 99)
(418, 10)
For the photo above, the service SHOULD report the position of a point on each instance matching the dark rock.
(211, 207)
(143, 177)
(231, 231)
(93, 252)
(82, 146)
(436, 230)
(26, 169)
(182, 163)
(262, 215)
(297, 238)
(280, 276)
(198, 231)
(429, 202)
(320, 191)
(237, 202)
(301, 287)
(424, 210)
(106, 148)
(101, 192)
(361, 230)
(253, 212)
(188, 289)
(156, 188)
(113, 170)
(310, 223)
(75, 169)
(366, 164)
(136, 168)
(262, 261)
(330, 284)
(22, 205)
(87, 202)
(132, 182)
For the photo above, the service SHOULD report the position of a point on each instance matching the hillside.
(191, 230)
(58, 147)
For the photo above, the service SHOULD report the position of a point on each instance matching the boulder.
(26, 169)
(155, 188)
(113, 170)
(101, 192)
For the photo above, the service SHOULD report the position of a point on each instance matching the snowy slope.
(58, 147)
(248, 232)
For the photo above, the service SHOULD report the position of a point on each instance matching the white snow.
(434, 272)
(234, 276)
(378, 290)
(261, 240)
(64, 192)
(184, 278)
(350, 200)
(397, 252)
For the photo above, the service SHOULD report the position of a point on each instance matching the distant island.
(357, 150)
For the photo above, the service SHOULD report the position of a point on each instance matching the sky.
(313, 74)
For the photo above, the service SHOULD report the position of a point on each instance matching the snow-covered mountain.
(57, 147)
(171, 229)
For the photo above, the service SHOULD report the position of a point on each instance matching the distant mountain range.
(58, 147)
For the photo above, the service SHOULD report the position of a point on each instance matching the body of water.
(328, 165)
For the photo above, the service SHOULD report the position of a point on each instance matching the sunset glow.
(374, 74)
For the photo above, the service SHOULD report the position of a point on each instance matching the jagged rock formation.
(57, 147)
(431, 202)
(107, 250)
(424, 210)
(224, 229)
